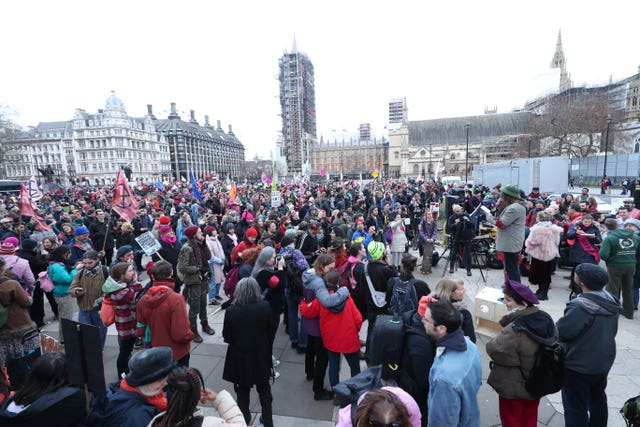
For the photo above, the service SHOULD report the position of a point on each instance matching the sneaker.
(276, 375)
(214, 302)
(139, 343)
(274, 362)
(219, 298)
(323, 395)
(468, 273)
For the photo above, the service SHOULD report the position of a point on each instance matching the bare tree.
(574, 123)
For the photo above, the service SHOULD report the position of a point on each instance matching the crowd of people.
(328, 258)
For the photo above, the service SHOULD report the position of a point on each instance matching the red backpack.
(346, 276)
(233, 276)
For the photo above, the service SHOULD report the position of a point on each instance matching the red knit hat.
(252, 232)
(191, 232)
(424, 304)
(164, 220)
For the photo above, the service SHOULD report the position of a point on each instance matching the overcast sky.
(221, 58)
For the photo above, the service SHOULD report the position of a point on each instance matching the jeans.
(584, 399)
(126, 348)
(264, 393)
(315, 362)
(353, 359)
(511, 267)
(197, 298)
(214, 288)
(93, 318)
(297, 333)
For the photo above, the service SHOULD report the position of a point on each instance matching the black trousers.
(316, 360)
(36, 311)
(455, 250)
(264, 394)
(106, 260)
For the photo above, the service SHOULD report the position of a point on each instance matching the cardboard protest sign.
(148, 243)
(275, 199)
(83, 352)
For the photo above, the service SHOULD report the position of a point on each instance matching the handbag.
(46, 284)
(19, 364)
(379, 298)
(350, 390)
(107, 312)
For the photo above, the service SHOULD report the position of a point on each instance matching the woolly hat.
(423, 304)
(191, 231)
(593, 276)
(630, 221)
(286, 241)
(164, 229)
(208, 229)
(164, 220)
(511, 190)
(110, 285)
(376, 250)
(252, 232)
(522, 290)
(149, 365)
(29, 244)
(7, 247)
(123, 250)
(81, 230)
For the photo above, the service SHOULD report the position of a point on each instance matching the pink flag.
(27, 208)
(123, 202)
(321, 171)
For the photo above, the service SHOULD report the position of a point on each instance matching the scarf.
(170, 240)
(586, 245)
(159, 400)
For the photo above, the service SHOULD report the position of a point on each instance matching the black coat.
(64, 407)
(247, 329)
(99, 231)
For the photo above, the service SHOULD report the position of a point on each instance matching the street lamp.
(606, 147)
(466, 161)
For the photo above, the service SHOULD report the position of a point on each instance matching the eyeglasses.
(378, 424)
(425, 321)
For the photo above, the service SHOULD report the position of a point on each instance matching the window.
(416, 169)
(396, 155)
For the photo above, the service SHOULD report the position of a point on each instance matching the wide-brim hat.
(150, 365)
(522, 290)
(511, 190)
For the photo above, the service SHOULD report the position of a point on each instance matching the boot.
(542, 292)
(206, 328)
(196, 336)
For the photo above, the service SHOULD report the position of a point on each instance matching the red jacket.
(339, 331)
(245, 244)
(165, 312)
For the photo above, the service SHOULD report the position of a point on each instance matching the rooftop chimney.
(150, 112)
(230, 130)
(174, 113)
(219, 128)
(206, 121)
(193, 117)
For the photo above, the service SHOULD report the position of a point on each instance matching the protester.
(19, 266)
(86, 288)
(453, 290)
(390, 406)
(216, 264)
(169, 251)
(37, 264)
(513, 354)
(165, 313)
(45, 399)
(542, 245)
(590, 318)
(248, 326)
(510, 223)
(62, 275)
(293, 295)
(428, 232)
(460, 230)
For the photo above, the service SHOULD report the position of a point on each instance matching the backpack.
(349, 391)
(403, 297)
(233, 276)
(294, 275)
(346, 276)
(46, 284)
(631, 411)
(547, 374)
(386, 345)
(388, 236)
(4, 309)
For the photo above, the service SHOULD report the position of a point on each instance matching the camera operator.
(460, 230)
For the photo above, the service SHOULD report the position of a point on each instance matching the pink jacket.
(20, 267)
(344, 416)
(543, 241)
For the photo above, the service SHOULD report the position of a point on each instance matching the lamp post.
(529, 147)
(466, 161)
(606, 147)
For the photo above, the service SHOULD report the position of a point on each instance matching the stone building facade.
(351, 157)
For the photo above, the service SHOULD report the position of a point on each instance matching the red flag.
(27, 208)
(123, 202)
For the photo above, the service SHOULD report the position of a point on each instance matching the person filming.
(460, 229)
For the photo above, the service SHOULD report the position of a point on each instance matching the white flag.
(34, 191)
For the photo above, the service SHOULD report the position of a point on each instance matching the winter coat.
(380, 274)
(247, 329)
(399, 241)
(344, 416)
(190, 266)
(339, 331)
(91, 285)
(16, 300)
(513, 351)
(591, 318)
(37, 262)
(124, 305)
(61, 278)
(620, 248)
(510, 225)
(543, 241)
(215, 247)
(165, 312)
(240, 247)
(225, 406)
(126, 408)
(273, 282)
(577, 254)
(462, 231)
(63, 407)
(20, 267)
(313, 287)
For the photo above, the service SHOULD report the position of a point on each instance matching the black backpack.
(403, 297)
(631, 411)
(294, 276)
(547, 374)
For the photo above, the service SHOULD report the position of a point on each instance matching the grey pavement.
(293, 403)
